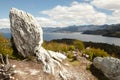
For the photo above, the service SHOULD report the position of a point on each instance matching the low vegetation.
(75, 44)
(112, 50)
(70, 45)
(92, 52)
(65, 46)
(5, 46)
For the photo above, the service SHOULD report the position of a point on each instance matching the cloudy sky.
(62, 13)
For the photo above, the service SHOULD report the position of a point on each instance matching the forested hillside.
(111, 31)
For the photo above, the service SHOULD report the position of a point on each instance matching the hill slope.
(111, 31)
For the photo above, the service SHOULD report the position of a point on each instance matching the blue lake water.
(79, 36)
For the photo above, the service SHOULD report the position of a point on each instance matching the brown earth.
(32, 70)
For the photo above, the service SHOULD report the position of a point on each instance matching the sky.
(62, 13)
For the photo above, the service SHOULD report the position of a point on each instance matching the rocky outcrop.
(26, 32)
(27, 36)
(109, 66)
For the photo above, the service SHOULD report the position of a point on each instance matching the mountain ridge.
(111, 31)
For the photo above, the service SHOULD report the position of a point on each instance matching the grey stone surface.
(28, 38)
(109, 66)
(26, 32)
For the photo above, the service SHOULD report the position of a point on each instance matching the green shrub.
(70, 55)
(78, 44)
(92, 52)
(71, 48)
(112, 50)
(5, 46)
(54, 46)
(64, 45)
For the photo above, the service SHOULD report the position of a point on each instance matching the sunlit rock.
(27, 36)
(26, 32)
(109, 66)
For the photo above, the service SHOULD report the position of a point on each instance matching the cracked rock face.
(109, 66)
(26, 32)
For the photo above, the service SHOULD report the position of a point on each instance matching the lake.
(79, 36)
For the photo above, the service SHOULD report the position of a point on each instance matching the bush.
(54, 46)
(64, 45)
(112, 50)
(92, 52)
(78, 44)
(70, 55)
(5, 46)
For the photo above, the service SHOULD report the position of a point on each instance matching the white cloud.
(114, 18)
(78, 13)
(46, 22)
(75, 14)
(112, 5)
(107, 4)
(4, 23)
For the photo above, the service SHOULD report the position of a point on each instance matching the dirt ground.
(32, 70)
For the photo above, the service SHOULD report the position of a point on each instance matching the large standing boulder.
(26, 32)
(109, 66)
(27, 37)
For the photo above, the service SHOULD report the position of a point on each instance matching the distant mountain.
(111, 31)
(47, 29)
(82, 28)
(50, 29)
(5, 30)
(105, 30)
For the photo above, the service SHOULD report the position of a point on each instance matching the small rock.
(109, 66)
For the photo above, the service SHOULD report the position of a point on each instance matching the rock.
(109, 66)
(28, 38)
(6, 69)
(26, 32)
